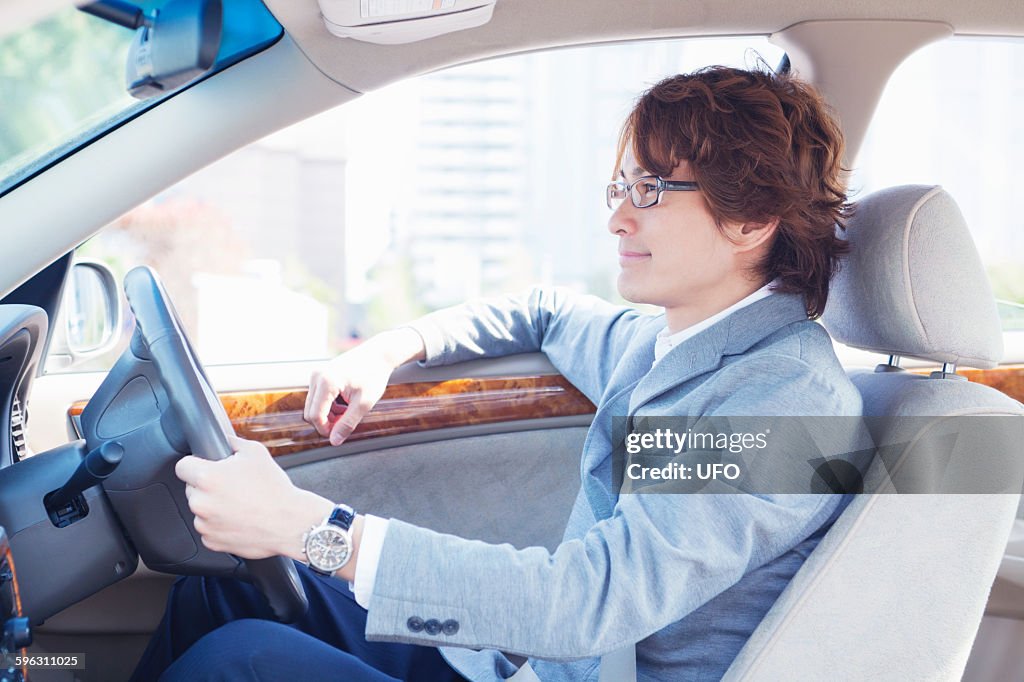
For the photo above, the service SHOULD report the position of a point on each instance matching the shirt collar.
(666, 342)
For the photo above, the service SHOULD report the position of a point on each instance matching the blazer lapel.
(731, 336)
(695, 356)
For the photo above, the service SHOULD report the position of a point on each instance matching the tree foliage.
(58, 78)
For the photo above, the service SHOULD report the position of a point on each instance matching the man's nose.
(623, 219)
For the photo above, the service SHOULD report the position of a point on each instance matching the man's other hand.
(359, 378)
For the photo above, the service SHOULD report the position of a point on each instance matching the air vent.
(18, 431)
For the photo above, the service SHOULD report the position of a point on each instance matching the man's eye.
(648, 187)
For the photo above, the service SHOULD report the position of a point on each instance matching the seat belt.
(616, 666)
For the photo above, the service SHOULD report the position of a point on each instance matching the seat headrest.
(913, 284)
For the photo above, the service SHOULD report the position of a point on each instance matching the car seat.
(897, 587)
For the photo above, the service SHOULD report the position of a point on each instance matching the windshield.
(62, 81)
(58, 79)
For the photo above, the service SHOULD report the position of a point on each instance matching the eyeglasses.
(644, 192)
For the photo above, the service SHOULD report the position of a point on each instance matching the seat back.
(897, 587)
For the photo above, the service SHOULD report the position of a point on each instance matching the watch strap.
(342, 516)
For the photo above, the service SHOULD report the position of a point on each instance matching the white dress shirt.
(375, 527)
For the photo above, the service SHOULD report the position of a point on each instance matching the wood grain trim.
(275, 417)
(1008, 379)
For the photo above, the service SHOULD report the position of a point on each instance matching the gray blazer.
(687, 577)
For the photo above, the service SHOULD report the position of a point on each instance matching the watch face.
(328, 548)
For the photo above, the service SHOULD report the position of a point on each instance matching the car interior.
(925, 584)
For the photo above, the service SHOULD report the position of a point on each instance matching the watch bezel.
(315, 559)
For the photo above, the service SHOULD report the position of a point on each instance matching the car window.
(476, 180)
(950, 115)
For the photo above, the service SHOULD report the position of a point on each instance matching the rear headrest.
(913, 284)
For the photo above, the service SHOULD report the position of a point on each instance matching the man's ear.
(751, 235)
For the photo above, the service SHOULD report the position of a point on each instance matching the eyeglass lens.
(643, 192)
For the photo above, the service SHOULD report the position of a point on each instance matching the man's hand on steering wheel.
(246, 505)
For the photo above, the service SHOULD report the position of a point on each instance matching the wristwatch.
(328, 546)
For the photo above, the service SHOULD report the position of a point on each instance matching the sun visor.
(390, 22)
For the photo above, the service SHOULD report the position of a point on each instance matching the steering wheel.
(202, 419)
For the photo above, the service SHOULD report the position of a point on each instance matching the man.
(726, 195)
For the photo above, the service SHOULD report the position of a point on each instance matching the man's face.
(671, 254)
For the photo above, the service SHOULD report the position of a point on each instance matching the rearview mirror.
(174, 44)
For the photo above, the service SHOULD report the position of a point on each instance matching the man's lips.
(632, 256)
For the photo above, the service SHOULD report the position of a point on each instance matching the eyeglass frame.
(661, 187)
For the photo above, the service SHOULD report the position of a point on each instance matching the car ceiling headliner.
(523, 25)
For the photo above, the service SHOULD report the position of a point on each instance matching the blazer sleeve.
(656, 559)
(582, 335)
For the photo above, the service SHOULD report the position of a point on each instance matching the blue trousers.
(222, 629)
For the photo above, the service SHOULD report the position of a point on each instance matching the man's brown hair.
(761, 146)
